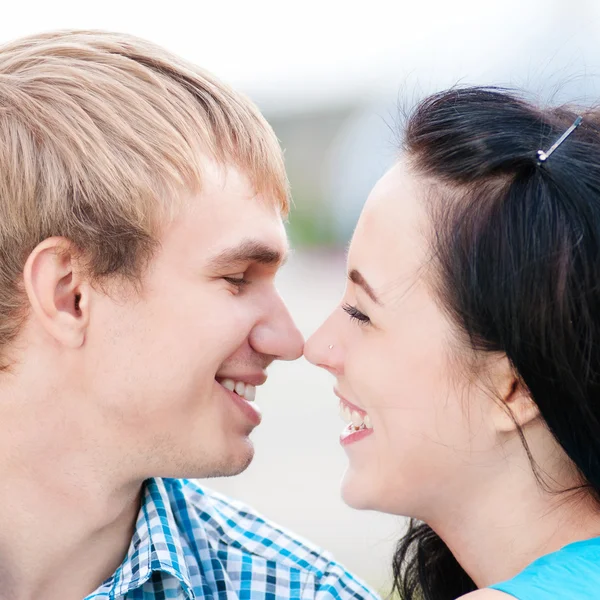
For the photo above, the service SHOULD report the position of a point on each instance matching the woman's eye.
(355, 314)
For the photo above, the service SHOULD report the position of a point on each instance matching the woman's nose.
(324, 348)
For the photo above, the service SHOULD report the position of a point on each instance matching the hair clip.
(543, 156)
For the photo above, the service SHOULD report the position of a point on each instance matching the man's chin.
(236, 462)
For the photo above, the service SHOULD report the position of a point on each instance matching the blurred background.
(334, 78)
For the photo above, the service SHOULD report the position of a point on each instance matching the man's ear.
(58, 293)
(514, 408)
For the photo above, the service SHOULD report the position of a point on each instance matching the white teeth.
(347, 414)
(245, 390)
(229, 384)
(250, 393)
(353, 417)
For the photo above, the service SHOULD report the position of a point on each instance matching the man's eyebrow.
(248, 251)
(355, 277)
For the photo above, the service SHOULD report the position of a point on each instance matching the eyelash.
(239, 282)
(356, 315)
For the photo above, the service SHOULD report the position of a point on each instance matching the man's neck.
(61, 537)
(69, 506)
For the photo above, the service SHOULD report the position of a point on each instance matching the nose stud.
(331, 346)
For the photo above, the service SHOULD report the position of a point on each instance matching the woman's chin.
(363, 491)
(356, 492)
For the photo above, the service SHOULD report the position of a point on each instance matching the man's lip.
(254, 379)
(250, 409)
(361, 411)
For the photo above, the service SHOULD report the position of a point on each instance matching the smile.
(243, 395)
(354, 417)
(359, 423)
(245, 390)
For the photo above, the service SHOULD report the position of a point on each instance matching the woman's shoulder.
(486, 594)
(573, 572)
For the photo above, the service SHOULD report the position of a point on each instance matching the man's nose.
(277, 334)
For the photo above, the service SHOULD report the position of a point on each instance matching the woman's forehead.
(388, 244)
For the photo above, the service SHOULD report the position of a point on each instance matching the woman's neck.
(505, 524)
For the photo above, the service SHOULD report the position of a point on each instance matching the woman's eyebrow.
(355, 277)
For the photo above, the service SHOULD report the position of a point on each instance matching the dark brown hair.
(518, 263)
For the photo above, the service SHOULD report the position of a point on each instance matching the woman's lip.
(350, 436)
(349, 404)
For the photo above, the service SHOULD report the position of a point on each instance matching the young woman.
(466, 350)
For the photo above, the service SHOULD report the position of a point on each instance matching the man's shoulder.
(234, 526)
(235, 523)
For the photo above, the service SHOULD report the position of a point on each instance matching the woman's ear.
(515, 408)
(58, 293)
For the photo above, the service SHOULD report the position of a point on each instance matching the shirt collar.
(156, 545)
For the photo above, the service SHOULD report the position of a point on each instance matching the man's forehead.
(227, 179)
(233, 225)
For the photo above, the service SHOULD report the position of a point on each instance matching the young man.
(141, 206)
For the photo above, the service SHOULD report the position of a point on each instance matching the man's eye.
(355, 314)
(237, 281)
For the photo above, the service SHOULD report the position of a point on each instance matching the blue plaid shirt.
(192, 544)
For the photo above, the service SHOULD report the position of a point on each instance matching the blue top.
(193, 544)
(572, 572)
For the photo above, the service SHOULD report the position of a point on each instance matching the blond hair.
(99, 135)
